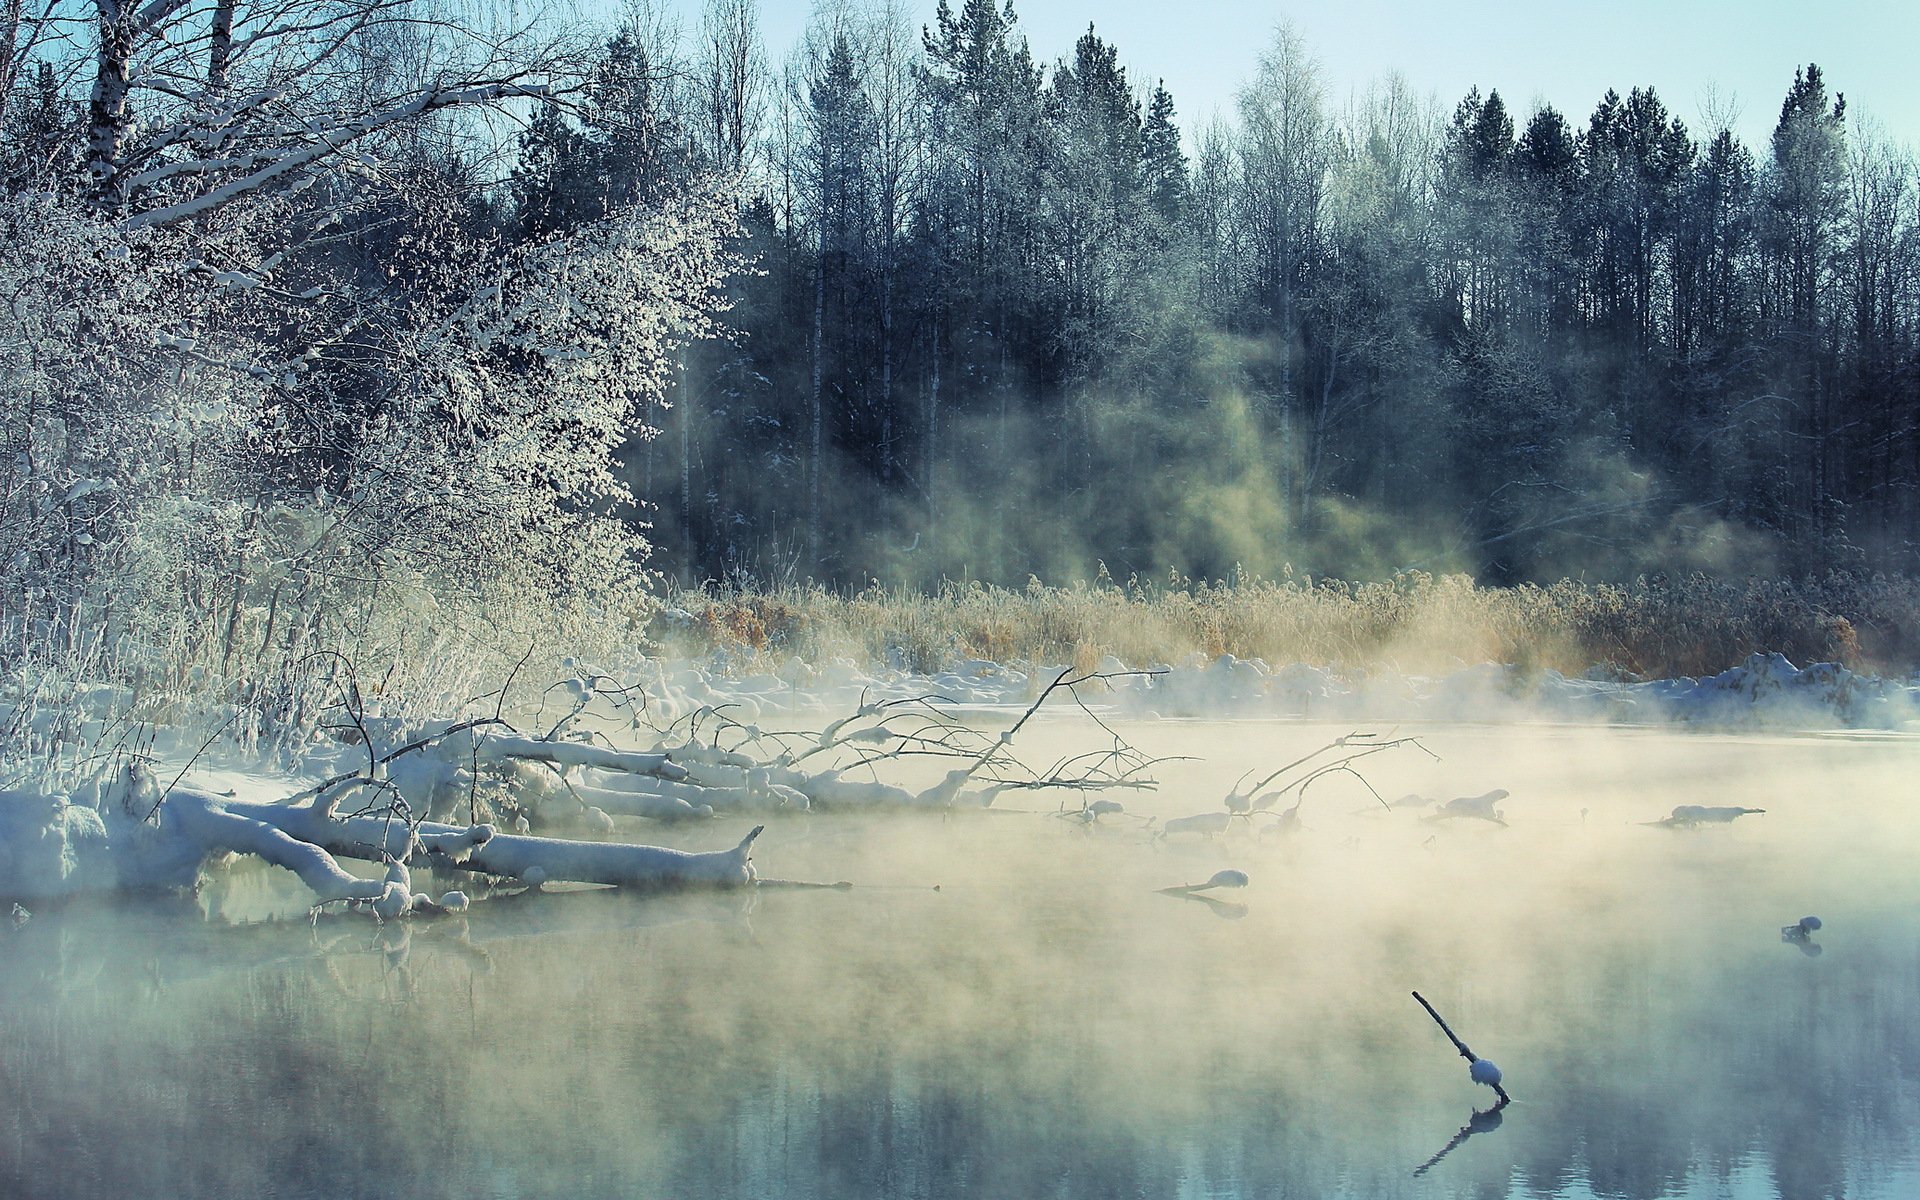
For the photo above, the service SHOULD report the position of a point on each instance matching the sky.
(1546, 51)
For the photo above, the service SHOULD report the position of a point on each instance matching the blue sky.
(1565, 54)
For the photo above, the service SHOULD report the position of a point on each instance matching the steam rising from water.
(1204, 477)
(1048, 1022)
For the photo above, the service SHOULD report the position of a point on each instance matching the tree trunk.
(813, 416)
(220, 47)
(107, 106)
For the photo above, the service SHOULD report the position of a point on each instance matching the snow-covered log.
(529, 859)
(621, 802)
(204, 821)
(132, 833)
(579, 754)
(537, 860)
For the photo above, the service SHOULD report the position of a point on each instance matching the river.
(1048, 1022)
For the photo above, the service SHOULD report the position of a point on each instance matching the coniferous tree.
(1163, 165)
(1803, 212)
(1091, 191)
(546, 186)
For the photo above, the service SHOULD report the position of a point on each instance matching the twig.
(155, 810)
(1366, 749)
(1459, 1045)
(1065, 679)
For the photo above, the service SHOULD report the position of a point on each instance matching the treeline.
(1007, 318)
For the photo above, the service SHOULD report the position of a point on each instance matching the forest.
(1008, 317)
(553, 560)
(328, 316)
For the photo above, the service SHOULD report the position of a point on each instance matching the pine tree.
(1805, 197)
(1092, 182)
(1163, 166)
(545, 184)
(1805, 202)
(631, 138)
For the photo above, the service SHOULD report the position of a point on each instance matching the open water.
(1048, 1023)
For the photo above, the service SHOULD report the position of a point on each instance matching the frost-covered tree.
(1092, 193)
(1284, 147)
(620, 143)
(194, 104)
(275, 384)
(1806, 191)
(1805, 198)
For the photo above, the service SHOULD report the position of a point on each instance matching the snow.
(47, 844)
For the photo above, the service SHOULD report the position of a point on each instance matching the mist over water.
(1048, 1022)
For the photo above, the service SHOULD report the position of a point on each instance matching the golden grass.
(1413, 622)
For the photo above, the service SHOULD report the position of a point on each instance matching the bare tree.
(900, 141)
(196, 103)
(734, 81)
(1285, 141)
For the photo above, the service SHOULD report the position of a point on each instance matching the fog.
(1048, 1021)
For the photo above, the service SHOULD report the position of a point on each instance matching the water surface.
(1047, 1023)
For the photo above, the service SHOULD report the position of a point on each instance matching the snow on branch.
(330, 142)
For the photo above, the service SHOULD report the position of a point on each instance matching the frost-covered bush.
(228, 466)
(491, 453)
(113, 406)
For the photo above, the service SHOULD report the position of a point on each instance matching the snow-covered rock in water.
(1306, 689)
(1478, 808)
(49, 847)
(1707, 814)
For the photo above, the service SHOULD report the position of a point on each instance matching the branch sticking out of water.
(1481, 1069)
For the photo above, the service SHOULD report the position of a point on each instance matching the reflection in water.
(1228, 910)
(1800, 936)
(1044, 1024)
(1482, 1121)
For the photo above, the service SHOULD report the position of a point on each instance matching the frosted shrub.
(201, 496)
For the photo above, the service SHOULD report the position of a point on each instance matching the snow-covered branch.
(282, 163)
